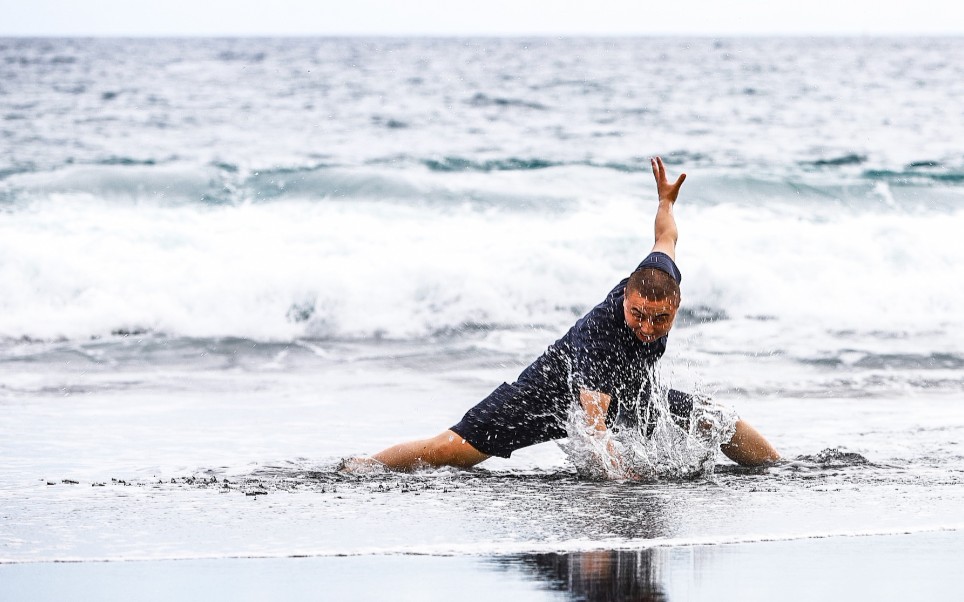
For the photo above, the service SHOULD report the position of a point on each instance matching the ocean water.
(226, 264)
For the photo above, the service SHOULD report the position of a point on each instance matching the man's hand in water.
(596, 405)
(666, 190)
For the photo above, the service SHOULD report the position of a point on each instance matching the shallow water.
(212, 463)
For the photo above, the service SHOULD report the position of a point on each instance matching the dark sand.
(922, 566)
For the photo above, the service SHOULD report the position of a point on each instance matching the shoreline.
(910, 566)
(511, 549)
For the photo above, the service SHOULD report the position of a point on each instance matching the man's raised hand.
(667, 191)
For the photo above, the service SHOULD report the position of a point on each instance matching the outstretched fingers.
(666, 190)
(659, 170)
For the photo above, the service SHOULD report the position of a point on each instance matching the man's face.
(649, 320)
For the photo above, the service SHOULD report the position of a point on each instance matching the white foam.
(76, 266)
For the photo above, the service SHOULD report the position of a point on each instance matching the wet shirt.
(600, 353)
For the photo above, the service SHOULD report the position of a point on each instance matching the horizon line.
(541, 35)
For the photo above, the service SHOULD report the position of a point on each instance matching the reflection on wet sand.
(596, 576)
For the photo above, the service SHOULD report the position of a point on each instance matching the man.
(605, 362)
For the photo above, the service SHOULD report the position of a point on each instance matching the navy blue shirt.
(600, 353)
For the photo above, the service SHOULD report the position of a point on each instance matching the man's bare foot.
(361, 465)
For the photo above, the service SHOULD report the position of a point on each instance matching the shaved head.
(654, 284)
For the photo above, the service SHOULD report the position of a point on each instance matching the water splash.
(658, 446)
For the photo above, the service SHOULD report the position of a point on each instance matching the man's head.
(650, 303)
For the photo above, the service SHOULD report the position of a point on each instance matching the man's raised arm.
(666, 232)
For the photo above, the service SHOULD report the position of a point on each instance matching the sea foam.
(358, 267)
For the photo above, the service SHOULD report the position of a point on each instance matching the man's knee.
(449, 448)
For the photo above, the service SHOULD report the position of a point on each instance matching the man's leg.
(446, 449)
(748, 447)
(510, 418)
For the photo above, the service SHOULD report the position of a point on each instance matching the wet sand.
(921, 566)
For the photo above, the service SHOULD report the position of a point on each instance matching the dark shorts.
(516, 416)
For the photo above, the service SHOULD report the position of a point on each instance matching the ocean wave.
(14, 170)
(889, 361)
(460, 164)
(481, 99)
(291, 269)
(912, 175)
(120, 179)
(168, 182)
(119, 160)
(632, 165)
(848, 159)
(452, 180)
(202, 252)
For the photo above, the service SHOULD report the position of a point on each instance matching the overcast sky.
(478, 17)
